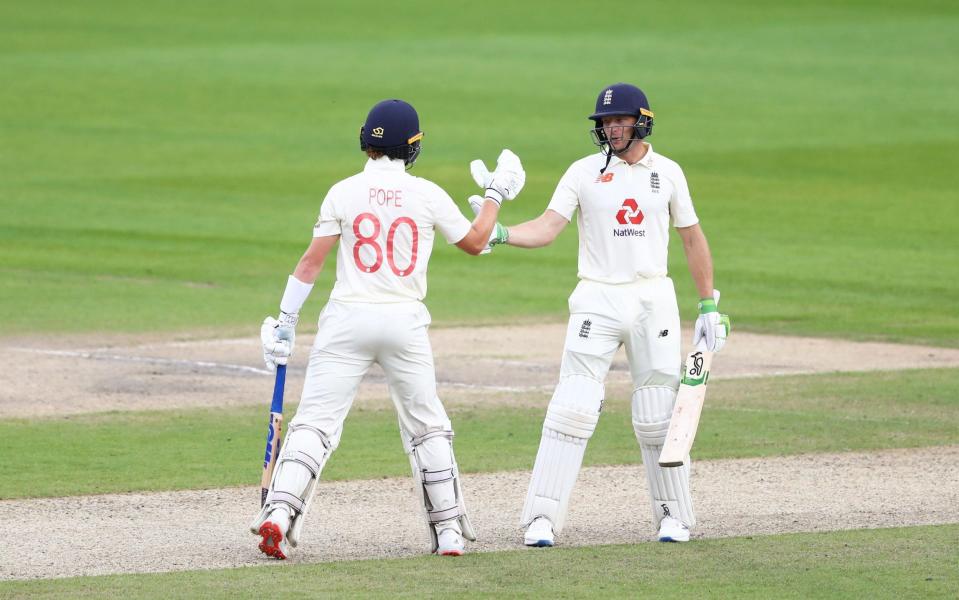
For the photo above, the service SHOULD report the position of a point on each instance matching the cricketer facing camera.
(385, 221)
(627, 196)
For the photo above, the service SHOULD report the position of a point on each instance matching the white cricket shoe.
(449, 542)
(673, 530)
(539, 533)
(273, 531)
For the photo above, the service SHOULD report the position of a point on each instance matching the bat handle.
(277, 404)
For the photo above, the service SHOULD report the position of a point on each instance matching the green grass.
(162, 167)
(119, 452)
(917, 562)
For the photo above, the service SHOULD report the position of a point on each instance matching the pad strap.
(419, 439)
(434, 477)
(292, 500)
(306, 460)
(438, 516)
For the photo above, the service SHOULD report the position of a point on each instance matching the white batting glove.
(712, 327)
(506, 182)
(277, 336)
(499, 235)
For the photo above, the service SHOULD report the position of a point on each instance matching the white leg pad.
(305, 452)
(570, 421)
(668, 486)
(438, 482)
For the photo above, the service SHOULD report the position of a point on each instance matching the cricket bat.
(273, 436)
(689, 406)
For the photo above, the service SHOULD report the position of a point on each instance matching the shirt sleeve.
(328, 223)
(681, 211)
(447, 217)
(565, 199)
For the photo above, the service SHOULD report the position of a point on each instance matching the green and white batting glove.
(712, 327)
(499, 235)
(506, 182)
(277, 336)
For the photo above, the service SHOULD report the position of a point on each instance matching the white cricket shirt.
(386, 218)
(624, 214)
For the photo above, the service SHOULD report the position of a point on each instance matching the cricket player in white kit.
(385, 221)
(627, 197)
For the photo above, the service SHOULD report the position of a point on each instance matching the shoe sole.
(451, 553)
(670, 539)
(539, 543)
(272, 536)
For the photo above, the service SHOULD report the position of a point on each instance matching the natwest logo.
(630, 213)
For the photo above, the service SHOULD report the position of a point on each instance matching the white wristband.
(494, 195)
(295, 295)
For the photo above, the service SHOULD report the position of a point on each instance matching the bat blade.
(273, 436)
(689, 406)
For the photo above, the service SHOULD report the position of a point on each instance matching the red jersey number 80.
(371, 240)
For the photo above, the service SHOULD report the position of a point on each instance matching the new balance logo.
(629, 214)
(604, 178)
(584, 329)
(608, 97)
(665, 510)
(654, 182)
(664, 333)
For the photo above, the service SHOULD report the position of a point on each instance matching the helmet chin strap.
(609, 155)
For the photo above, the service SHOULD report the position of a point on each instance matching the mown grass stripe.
(167, 450)
(906, 562)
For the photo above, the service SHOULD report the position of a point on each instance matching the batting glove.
(712, 327)
(277, 336)
(499, 235)
(506, 182)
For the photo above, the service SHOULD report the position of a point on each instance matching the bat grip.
(276, 405)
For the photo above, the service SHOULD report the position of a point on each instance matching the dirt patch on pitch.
(826, 492)
(475, 365)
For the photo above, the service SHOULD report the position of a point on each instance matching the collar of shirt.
(384, 163)
(646, 160)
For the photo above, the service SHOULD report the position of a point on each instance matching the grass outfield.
(916, 562)
(119, 452)
(162, 167)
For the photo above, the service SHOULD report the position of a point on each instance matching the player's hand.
(499, 235)
(712, 327)
(506, 182)
(277, 336)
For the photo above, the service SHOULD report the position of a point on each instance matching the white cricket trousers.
(642, 316)
(351, 337)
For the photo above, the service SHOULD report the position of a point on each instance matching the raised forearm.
(539, 232)
(481, 228)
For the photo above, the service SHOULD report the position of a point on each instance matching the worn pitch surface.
(358, 519)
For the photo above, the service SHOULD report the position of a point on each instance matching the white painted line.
(152, 360)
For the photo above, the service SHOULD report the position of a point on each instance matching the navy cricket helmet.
(393, 128)
(617, 100)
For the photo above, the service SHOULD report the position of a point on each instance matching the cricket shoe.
(273, 532)
(539, 534)
(673, 530)
(449, 542)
